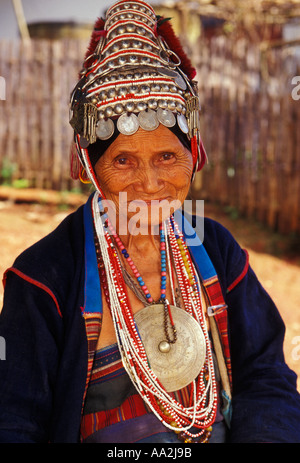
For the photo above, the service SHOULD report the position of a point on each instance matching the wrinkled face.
(146, 168)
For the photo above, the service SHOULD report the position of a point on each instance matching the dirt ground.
(275, 259)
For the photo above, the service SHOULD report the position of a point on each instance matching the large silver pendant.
(176, 365)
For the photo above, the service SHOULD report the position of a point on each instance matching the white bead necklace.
(168, 410)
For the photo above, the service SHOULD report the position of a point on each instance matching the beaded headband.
(135, 72)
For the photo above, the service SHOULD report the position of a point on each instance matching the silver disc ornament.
(128, 124)
(176, 365)
(105, 129)
(148, 120)
(166, 117)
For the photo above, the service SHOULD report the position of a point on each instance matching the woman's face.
(144, 167)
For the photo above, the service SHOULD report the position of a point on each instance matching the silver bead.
(125, 44)
(130, 28)
(152, 104)
(155, 88)
(163, 104)
(121, 60)
(141, 106)
(103, 95)
(164, 347)
(129, 106)
(145, 89)
(118, 109)
(108, 111)
(132, 59)
(121, 30)
(111, 93)
(115, 47)
(123, 91)
(172, 105)
(132, 89)
(137, 44)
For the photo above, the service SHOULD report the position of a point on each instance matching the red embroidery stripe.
(33, 282)
(241, 276)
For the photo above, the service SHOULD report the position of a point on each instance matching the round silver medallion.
(128, 124)
(176, 365)
(148, 120)
(182, 122)
(105, 129)
(166, 117)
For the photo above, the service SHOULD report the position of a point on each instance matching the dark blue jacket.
(42, 380)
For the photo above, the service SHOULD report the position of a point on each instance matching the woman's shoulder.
(56, 254)
(230, 260)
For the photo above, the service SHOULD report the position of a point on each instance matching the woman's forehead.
(157, 140)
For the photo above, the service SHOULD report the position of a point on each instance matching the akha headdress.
(135, 74)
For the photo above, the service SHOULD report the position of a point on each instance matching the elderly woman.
(123, 326)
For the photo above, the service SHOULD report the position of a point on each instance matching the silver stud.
(132, 59)
(125, 44)
(163, 104)
(121, 30)
(130, 28)
(141, 106)
(133, 89)
(108, 111)
(137, 44)
(172, 105)
(123, 91)
(121, 60)
(129, 106)
(115, 47)
(118, 108)
(152, 104)
(103, 95)
(145, 89)
(111, 93)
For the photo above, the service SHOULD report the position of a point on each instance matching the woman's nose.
(149, 180)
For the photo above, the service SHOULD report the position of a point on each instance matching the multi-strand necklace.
(135, 347)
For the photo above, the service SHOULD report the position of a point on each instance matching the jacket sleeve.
(31, 327)
(265, 400)
(266, 404)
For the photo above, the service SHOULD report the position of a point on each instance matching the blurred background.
(247, 55)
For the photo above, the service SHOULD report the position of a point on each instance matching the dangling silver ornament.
(105, 129)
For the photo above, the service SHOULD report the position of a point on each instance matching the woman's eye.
(167, 157)
(121, 161)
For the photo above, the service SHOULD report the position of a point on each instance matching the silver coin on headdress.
(179, 80)
(148, 120)
(166, 117)
(167, 72)
(105, 129)
(182, 122)
(128, 124)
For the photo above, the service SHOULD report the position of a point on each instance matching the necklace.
(203, 401)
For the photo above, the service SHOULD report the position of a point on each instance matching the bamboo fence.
(250, 122)
(251, 131)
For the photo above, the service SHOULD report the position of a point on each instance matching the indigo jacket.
(43, 378)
